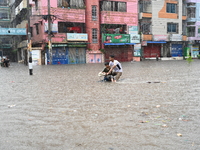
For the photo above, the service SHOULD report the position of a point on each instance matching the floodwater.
(154, 106)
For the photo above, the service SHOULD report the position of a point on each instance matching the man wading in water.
(116, 67)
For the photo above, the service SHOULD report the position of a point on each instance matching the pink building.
(85, 31)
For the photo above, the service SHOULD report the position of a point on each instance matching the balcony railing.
(191, 34)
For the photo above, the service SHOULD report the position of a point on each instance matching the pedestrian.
(116, 67)
(108, 77)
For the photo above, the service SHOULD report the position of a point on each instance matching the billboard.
(116, 38)
(77, 37)
(13, 31)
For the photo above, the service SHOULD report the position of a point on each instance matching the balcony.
(147, 37)
(145, 15)
(184, 38)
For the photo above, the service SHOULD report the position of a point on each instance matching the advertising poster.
(137, 50)
(195, 51)
(116, 38)
(36, 57)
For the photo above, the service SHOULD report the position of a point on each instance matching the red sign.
(144, 43)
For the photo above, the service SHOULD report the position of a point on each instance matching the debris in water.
(9, 106)
(143, 121)
(157, 106)
(179, 134)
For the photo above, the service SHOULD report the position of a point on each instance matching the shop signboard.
(116, 38)
(195, 51)
(137, 50)
(54, 27)
(160, 38)
(132, 29)
(176, 37)
(36, 56)
(135, 38)
(13, 31)
(77, 37)
(144, 43)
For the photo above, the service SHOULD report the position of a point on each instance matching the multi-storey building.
(193, 26)
(5, 43)
(84, 31)
(19, 19)
(162, 26)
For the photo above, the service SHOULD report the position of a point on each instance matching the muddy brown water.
(154, 106)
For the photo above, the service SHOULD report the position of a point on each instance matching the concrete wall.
(160, 18)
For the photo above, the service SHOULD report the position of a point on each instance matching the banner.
(12, 31)
(116, 38)
(77, 37)
(135, 38)
(160, 37)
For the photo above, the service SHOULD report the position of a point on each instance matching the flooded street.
(154, 106)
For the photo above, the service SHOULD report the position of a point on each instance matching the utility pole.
(49, 32)
(29, 47)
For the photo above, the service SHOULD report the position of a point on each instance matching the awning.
(156, 42)
(119, 43)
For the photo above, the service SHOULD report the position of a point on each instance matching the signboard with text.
(116, 38)
(135, 38)
(176, 37)
(77, 37)
(13, 31)
(133, 29)
(160, 38)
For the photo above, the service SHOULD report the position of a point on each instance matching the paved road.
(155, 106)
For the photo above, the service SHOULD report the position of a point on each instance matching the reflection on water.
(67, 107)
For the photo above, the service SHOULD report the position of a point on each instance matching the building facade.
(82, 31)
(163, 28)
(5, 17)
(193, 27)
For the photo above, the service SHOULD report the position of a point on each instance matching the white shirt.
(118, 65)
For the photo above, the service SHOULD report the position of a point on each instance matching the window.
(172, 27)
(184, 8)
(69, 27)
(37, 28)
(3, 3)
(113, 6)
(31, 31)
(94, 13)
(191, 11)
(94, 35)
(71, 4)
(145, 6)
(191, 31)
(145, 26)
(171, 8)
(190, 23)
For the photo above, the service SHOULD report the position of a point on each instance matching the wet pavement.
(154, 106)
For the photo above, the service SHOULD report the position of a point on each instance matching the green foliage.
(189, 59)
(89, 49)
(102, 50)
